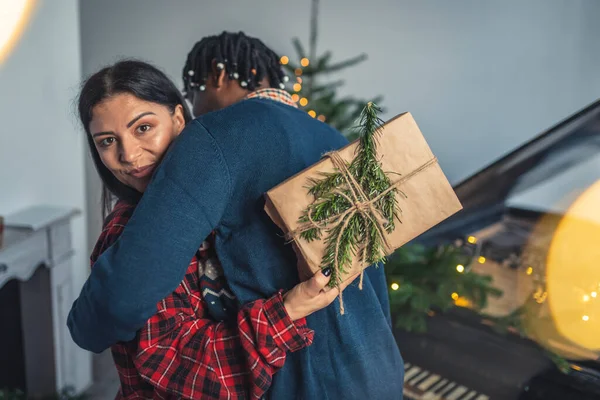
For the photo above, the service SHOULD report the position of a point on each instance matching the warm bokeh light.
(14, 15)
(472, 239)
(295, 98)
(462, 302)
(460, 268)
(572, 267)
(312, 113)
(284, 60)
(304, 62)
(395, 286)
(321, 118)
(481, 260)
(297, 87)
(454, 296)
(303, 101)
(298, 71)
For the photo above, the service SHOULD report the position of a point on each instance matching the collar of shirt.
(279, 95)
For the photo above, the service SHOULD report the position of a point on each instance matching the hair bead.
(244, 58)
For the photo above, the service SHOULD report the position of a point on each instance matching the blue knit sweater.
(213, 178)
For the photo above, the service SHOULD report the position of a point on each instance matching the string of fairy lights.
(297, 87)
(459, 300)
(540, 295)
(588, 298)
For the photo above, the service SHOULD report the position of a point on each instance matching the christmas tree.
(313, 95)
(427, 279)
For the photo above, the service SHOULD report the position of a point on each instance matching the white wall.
(41, 151)
(480, 77)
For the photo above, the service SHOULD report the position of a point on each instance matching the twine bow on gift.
(359, 203)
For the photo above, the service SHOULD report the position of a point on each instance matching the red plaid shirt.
(278, 95)
(183, 353)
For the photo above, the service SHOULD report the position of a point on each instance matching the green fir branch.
(331, 181)
(427, 278)
(345, 64)
(360, 231)
(349, 240)
(328, 89)
(328, 207)
(323, 61)
(298, 47)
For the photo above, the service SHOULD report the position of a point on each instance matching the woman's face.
(132, 135)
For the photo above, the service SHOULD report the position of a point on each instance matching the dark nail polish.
(327, 271)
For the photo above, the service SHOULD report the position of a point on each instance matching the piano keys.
(420, 384)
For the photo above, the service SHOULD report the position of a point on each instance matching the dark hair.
(145, 82)
(242, 57)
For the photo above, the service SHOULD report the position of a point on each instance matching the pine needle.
(359, 236)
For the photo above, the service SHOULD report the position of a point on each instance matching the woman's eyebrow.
(133, 121)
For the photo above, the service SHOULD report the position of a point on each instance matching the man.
(247, 140)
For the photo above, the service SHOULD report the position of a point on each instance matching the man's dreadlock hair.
(243, 58)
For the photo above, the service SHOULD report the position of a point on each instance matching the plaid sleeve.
(183, 352)
(266, 334)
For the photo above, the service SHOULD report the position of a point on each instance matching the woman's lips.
(143, 171)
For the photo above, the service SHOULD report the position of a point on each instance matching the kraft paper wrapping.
(402, 149)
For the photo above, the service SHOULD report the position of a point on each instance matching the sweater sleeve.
(184, 202)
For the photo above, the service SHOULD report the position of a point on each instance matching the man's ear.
(218, 75)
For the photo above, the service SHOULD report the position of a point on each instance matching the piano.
(421, 384)
(517, 207)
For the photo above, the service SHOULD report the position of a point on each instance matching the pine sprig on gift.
(352, 234)
(369, 168)
(319, 187)
(348, 246)
(331, 205)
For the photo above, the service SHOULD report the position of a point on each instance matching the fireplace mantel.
(37, 252)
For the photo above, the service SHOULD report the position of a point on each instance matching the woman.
(191, 347)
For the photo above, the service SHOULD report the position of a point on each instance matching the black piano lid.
(484, 194)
